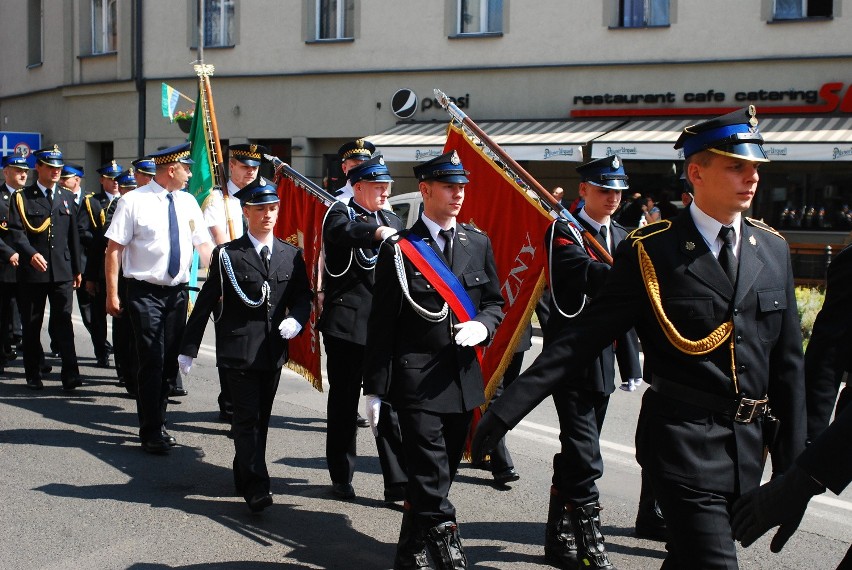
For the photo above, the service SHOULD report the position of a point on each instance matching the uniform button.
(736, 312)
(428, 286)
(776, 303)
(739, 338)
(742, 368)
(477, 279)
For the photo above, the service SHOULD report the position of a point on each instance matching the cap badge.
(56, 148)
(455, 158)
(689, 246)
(359, 143)
(114, 165)
(381, 160)
(616, 164)
(752, 116)
(253, 148)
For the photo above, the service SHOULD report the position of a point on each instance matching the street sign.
(25, 143)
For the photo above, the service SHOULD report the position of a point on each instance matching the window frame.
(804, 17)
(35, 33)
(340, 23)
(485, 8)
(226, 20)
(647, 16)
(107, 27)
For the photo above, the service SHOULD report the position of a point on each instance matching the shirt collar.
(157, 190)
(709, 227)
(232, 188)
(434, 228)
(258, 245)
(44, 189)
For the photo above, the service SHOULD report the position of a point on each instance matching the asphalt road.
(79, 492)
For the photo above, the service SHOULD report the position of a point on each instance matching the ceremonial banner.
(299, 221)
(201, 182)
(516, 224)
(169, 101)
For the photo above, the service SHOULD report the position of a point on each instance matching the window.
(103, 26)
(334, 19)
(218, 23)
(802, 9)
(643, 13)
(34, 30)
(480, 16)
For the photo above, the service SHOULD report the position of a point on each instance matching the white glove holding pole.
(386, 232)
(470, 333)
(289, 328)
(185, 363)
(372, 407)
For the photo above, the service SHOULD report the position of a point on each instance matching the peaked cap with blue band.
(177, 153)
(259, 191)
(70, 169)
(110, 170)
(373, 170)
(444, 168)
(16, 160)
(734, 135)
(145, 166)
(607, 172)
(49, 156)
(126, 178)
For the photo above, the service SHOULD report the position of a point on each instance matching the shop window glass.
(104, 27)
(801, 9)
(480, 16)
(643, 13)
(335, 19)
(218, 23)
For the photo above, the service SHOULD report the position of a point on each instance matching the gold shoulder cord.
(91, 214)
(20, 201)
(692, 347)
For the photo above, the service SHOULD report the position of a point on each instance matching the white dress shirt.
(141, 224)
(709, 228)
(258, 245)
(597, 227)
(214, 211)
(434, 228)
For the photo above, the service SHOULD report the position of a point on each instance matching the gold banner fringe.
(306, 374)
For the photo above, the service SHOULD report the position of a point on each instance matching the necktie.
(727, 259)
(174, 242)
(448, 245)
(603, 233)
(264, 256)
(49, 193)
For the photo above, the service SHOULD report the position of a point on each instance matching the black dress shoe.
(71, 382)
(121, 381)
(650, 524)
(35, 384)
(46, 368)
(103, 362)
(343, 491)
(109, 347)
(156, 446)
(506, 476)
(395, 493)
(226, 416)
(177, 392)
(168, 438)
(10, 354)
(259, 502)
(362, 422)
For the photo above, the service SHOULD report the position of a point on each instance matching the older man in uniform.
(265, 297)
(44, 232)
(223, 214)
(422, 355)
(15, 170)
(351, 235)
(711, 295)
(152, 233)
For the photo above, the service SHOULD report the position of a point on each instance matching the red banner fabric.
(300, 218)
(516, 224)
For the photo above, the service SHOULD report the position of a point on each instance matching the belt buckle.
(748, 408)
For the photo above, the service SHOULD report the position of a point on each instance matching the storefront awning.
(824, 139)
(522, 140)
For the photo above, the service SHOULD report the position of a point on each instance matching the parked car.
(407, 207)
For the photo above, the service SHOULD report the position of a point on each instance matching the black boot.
(590, 542)
(411, 548)
(560, 547)
(649, 520)
(444, 544)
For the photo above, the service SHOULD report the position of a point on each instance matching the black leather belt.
(157, 286)
(739, 408)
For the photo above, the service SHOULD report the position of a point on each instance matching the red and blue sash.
(436, 272)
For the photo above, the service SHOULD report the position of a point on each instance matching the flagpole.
(525, 176)
(300, 180)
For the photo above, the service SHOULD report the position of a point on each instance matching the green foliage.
(809, 301)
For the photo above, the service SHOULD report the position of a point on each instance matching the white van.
(407, 207)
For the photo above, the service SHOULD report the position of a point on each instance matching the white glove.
(372, 407)
(289, 328)
(470, 333)
(185, 363)
(386, 232)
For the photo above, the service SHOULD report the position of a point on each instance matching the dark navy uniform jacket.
(247, 338)
(59, 244)
(348, 298)
(413, 362)
(8, 272)
(682, 441)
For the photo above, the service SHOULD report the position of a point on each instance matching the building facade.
(553, 81)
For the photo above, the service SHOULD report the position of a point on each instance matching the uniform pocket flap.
(475, 278)
(772, 300)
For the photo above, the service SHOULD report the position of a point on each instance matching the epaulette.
(617, 225)
(472, 228)
(206, 201)
(285, 242)
(760, 224)
(651, 229)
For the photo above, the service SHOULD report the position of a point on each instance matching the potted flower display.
(184, 120)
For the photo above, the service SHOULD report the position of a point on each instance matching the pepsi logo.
(404, 103)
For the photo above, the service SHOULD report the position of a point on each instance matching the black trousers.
(8, 293)
(158, 317)
(434, 444)
(253, 393)
(32, 298)
(500, 457)
(579, 464)
(224, 399)
(124, 345)
(97, 319)
(345, 371)
(699, 526)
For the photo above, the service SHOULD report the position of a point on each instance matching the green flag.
(202, 171)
